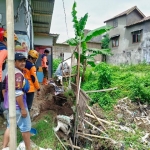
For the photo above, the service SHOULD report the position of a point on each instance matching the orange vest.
(44, 61)
(30, 74)
(3, 56)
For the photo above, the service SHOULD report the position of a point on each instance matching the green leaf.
(73, 42)
(96, 32)
(84, 47)
(76, 55)
(82, 22)
(82, 57)
(75, 20)
(91, 63)
(100, 51)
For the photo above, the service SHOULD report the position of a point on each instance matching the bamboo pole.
(95, 136)
(78, 92)
(95, 117)
(102, 120)
(71, 144)
(94, 126)
(11, 72)
(76, 147)
(85, 137)
(103, 90)
(60, 141)
(77, 97)
(93, 113)
(78, 67)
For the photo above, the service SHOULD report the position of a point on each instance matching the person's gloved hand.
(38, 92)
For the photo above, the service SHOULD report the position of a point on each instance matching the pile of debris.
(95, 127)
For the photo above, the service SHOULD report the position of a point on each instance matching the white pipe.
(11, 72)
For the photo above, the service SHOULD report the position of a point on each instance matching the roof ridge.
(126, 12)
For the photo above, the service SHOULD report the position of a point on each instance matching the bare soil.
(47, 100)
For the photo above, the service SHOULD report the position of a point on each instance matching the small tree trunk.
(84, 70)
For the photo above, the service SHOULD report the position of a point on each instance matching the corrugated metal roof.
(42, 15)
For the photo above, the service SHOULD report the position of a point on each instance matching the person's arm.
(19, 100)
(4, 86)
(34, 78)
(45, 61)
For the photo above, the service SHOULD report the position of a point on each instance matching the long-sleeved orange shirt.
(3, 56)
(30, 74)
(44, 61)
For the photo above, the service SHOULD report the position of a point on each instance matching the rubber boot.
(44, 81)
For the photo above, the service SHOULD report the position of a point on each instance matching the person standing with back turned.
(44, 64)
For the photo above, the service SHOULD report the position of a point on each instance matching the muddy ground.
(43, 104)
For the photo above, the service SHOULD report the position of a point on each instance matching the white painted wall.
(43, 40)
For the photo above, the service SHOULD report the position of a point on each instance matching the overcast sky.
(98, 11)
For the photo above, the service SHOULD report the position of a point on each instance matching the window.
(136, 36)
(115, 23)
(62, 55)
(115, 41)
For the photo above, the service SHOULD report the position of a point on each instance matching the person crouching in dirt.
(30, 74)
(22, 113)
(44, 64)
(3, 57)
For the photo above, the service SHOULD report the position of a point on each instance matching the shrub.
(56, 62)
(105, 75)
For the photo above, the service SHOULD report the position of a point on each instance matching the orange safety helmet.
(3, 33)
(33, 53)
(15, 36)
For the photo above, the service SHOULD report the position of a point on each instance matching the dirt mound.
(49, 101)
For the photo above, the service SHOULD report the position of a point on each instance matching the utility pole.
(11, 73)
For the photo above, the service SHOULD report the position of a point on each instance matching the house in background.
(42, 18)
(32, 22)
(64, 51)
(130, 37)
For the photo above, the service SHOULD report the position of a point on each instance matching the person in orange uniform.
(44, 63)
(3, 57)
(30, 74)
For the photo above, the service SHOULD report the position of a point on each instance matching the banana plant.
(82, 39)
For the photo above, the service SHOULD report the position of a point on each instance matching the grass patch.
(45, 137)
(133, 81)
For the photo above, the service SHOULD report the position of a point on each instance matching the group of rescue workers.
(26, 83)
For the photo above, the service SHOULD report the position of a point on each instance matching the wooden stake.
(103, 90)
(85, 137)
(11, 72)
(95, 136)
(60, 141)
(91, 116)
(95, 117)
(76, 147)
(94, 126)
(71, 143)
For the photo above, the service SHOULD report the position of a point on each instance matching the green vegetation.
(56, 62)
(81, 40)
(45, 137)
(105, 45)
(132, 81)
